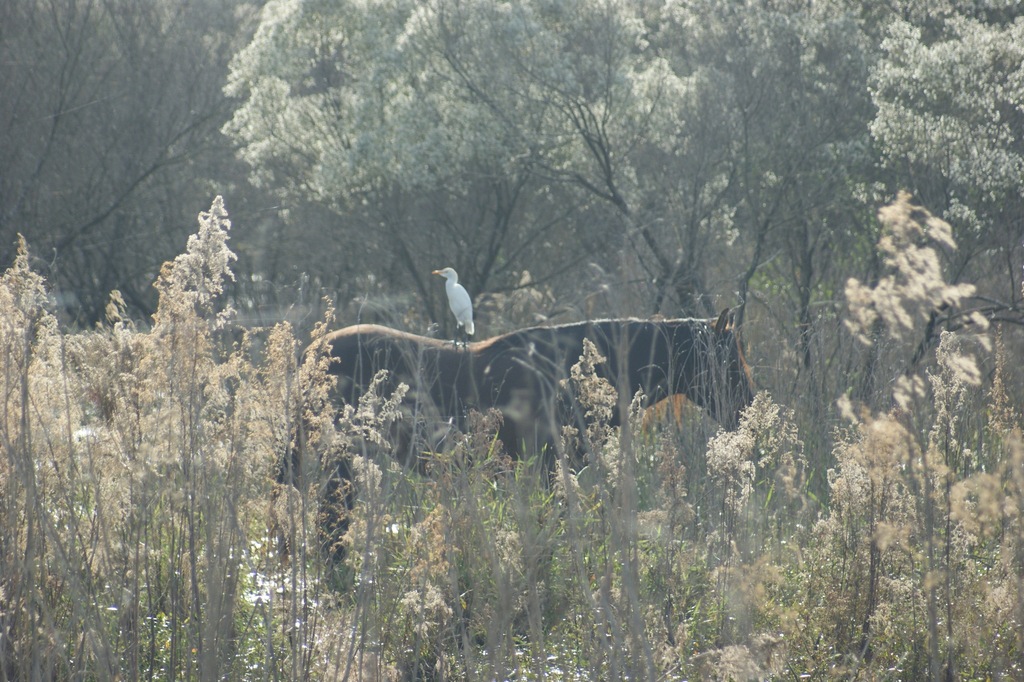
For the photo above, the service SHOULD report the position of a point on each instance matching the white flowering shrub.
(948, 110)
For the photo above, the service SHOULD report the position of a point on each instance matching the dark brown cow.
(520, 373)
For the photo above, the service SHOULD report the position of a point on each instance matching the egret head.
(447, 273)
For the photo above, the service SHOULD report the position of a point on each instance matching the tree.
(108, 133)
(949, 127)
(534, 114)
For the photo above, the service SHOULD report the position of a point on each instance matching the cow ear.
(724, 323)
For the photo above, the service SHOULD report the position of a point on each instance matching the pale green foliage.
(373, 93)
(953, 105)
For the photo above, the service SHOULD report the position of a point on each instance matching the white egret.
(458, 299)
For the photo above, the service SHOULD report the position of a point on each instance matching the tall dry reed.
(185, 500)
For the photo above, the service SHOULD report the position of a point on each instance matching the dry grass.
(167, 495)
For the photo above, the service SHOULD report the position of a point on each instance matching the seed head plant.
(185, 498)
(898, 537)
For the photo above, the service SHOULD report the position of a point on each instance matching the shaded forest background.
(568, 159)
(848, 175)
